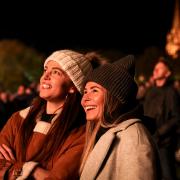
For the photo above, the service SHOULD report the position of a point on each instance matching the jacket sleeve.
(173, 113)
(67, 164)
(7, 136)
(9, 131)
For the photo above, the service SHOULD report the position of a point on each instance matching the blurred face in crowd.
(161, 71)
(93, 101)
(21, 90)
(54, 83)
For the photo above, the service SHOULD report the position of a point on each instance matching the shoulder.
(20, 114)
(18, 117)
(23, 113)
(75, 140)
(77, 135)
(124, 125)
(136, 133)
(171, 94)
(79, 130)
(13, 124)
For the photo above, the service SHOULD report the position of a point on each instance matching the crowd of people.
(12, 102)
(89, 119)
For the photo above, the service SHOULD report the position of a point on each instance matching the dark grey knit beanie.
(117, 78)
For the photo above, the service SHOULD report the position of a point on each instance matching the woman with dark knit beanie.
(118, 145)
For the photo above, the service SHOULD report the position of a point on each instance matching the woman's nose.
(86, 97)
(47, 75)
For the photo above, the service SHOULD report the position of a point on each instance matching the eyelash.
(93, 90)
(54, 71)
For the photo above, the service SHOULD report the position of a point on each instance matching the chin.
(91, 119)
(43, 96)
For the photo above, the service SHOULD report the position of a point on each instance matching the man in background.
(162, 104)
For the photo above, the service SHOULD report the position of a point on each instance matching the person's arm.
(172, 103)
(40, 173)
(66, 166)
(6, 153)
(9, 131)
(8, 163)
(7, 137)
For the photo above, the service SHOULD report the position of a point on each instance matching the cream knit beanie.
(75, 64)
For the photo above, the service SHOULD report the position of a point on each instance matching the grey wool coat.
(124, 152)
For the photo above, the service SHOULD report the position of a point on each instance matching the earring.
(71, 91)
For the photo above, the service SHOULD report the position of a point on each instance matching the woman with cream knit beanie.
(46, 140)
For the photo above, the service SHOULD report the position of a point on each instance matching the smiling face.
(54, 83)
(93, 101)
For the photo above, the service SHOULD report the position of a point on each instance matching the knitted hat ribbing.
(75, 64)
(117, 78)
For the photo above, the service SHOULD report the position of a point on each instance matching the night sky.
(129, 26)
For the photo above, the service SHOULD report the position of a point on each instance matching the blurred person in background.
(6, 108)
(162, 104)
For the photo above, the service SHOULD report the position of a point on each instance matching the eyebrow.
(57, 68)
(94, 87)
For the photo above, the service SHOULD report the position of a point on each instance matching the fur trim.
(27, 169)
(23, 113)
(42, 127)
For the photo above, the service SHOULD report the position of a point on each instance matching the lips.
(90, 107)
(46, 86)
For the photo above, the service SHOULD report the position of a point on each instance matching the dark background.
(127, 26)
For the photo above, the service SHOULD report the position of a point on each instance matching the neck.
(53, 108)
(160, 82)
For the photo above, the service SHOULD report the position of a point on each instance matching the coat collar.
(23, 113)
(124, 125)
(99, 152)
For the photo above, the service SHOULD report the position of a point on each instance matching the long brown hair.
(72, 116)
